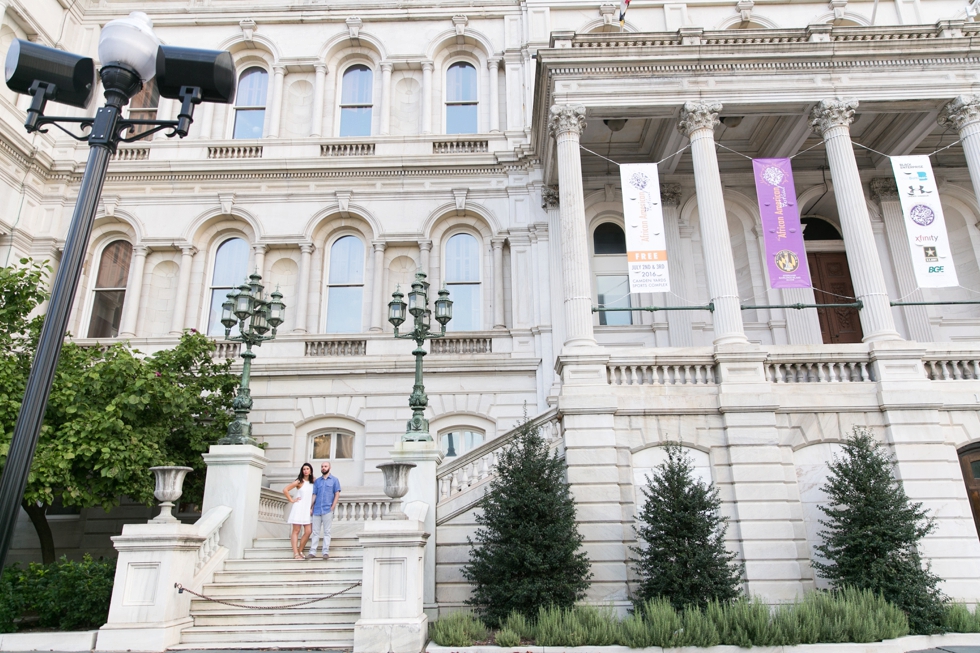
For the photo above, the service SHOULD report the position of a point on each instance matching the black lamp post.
(418, 306)
(131, 56)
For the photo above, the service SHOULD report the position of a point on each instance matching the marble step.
(336, 561)
(350, 600)
(309, 616)
(280, 542)
(246, 635)
(286, 552)
(277, 587)
(349, 574)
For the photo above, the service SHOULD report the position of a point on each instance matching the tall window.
(253, 89)
(456, 443)
(345, 282)
(230, 270)
(611, 280)
(463, 282)
(461, 99)
(355, 101)
(110, 290)
(144, 105)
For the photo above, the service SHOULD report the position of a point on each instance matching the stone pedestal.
(423, 487)
(234, 480)
(392, 616)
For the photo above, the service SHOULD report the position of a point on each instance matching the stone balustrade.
(347, 149)
(225, 349)
(131, 154)
(818, 371)
(345, 347)
(662, 373)
(460, 147)
(352, 507)
(209, 527)
(952, 368)
(235, 152)
(462, 346)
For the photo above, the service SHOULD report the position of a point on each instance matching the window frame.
(96, 268)
(460, 429)
(327, 285)
(446, 103)
(205, 320)
(603, 265)
(236, 108)
(480, 273)
(340, 97)
(333, 445)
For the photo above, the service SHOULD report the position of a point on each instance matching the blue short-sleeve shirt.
(324, 489)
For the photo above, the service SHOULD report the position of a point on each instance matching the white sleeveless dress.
(299, 513)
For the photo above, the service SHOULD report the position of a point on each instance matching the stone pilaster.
(963, 115)
(319, 90)
(832, 119)
(550, 203)
(378, 295)
(258, 258)
(427, 67)
(303, 296)
(275, 103)
(127, 329)
(498, 282)
(386, 68)
(183, 288)
(678, 322)
(698, 121)
(493, 66)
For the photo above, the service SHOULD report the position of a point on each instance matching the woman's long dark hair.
(300, 476)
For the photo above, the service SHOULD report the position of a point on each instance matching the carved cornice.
(564, 118)
(698, 115)
(960, 112)
(549, 197)
(670, 194)
(884, 189)
(836, 112)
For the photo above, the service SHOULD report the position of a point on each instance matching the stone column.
(963, 114)
(498, 282)
(832, 119)
(378, 294)
(319, 90)
(566, 123)
(917, 324)
(275, 111)
(678, 322)
(494, 67)
(258, 254)
(127, 329)
(234, 479)
(303, 296)
(427, 97)
(425, 249)
(698, 121)
(386, 68)
(550, 203)
(207, 121)
(183, 287)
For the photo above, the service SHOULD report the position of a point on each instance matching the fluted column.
(127, 327)
(566, 123)
(832, 119)
(963, 114)
(386, 68)
(427, 97)
(698, 121)
(319, 90)
(183, 288)
(275, 108)
(425, 248)
(377, 293)
(494, 66)
(303, 296)
(498, 282)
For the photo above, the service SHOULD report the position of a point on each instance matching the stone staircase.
(268, 577)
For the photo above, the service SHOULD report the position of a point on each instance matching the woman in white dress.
(301, 512)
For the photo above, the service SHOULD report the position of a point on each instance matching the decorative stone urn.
(170, 485)
(396, 486)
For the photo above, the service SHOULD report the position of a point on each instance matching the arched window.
(612, 286)
(230, 271)
(458, 442)
(461, 99)
(253, 89)
(110, 290)
(334, 445)
(355, 101)
(345, 285)
(463, 282)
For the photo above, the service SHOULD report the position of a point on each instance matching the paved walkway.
(950, 649)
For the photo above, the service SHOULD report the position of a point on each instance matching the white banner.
(925, 225)
(646, 246)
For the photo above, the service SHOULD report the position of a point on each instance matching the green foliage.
(959, 619)
(526, 554)
(507, 638)
(873, 531)
(458, 629)
(65, 595)
(519, 624)
(683, 556)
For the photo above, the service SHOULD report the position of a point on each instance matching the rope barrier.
(181, 589)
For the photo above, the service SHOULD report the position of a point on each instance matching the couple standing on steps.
(313, 509)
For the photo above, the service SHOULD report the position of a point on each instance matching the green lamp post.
(418, 306)
(255, 315)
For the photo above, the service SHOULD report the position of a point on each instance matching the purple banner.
(781, 223)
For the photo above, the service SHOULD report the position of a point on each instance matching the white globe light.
(131, 42)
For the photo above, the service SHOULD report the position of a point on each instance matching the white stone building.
(371, 140)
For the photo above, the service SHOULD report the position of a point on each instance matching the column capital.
(188, 250)
(306, 248)
(698, 115)
(425, 245)
(670, 194)
(564, 118)
(549, 197)
(428, 66)
(320, 68)
(387, 66)
(960, 112)
(884, 189)
(835, 112)
(497, 242)
(493, 63)
(260, 248)
(279, 69)
(140, 250)
(379, 245)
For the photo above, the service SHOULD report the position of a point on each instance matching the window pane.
(344, 309)
(462, 258)
(975, 468)
(449, 442)
(230, 264)
(461, 83)
(249, 123)
(609, 239)
(114, 265)
(613, 292)
(347, 261)
(215, 327)
(356, 87)
(466, 307)
(355, 121)
(472, 440)
(345, 446)
(461, 119)
(459, 442)
(148, 98)
(252, 88)
(106, 314)
(321, 447)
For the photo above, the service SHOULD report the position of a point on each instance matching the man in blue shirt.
(326, 494)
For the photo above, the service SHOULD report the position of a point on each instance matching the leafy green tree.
(873, 531)
(527, 547)
(683, 558)
(113, 412)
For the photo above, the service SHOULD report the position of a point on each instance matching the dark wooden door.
(829, 272)
(970, 463)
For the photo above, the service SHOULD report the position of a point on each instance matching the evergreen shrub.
(959, 619)
(458, 629)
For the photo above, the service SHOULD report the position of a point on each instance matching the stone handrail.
(351, 508)
(460, 147)
(847, 370)
(272, 506)
(209, 527)
(462, 346)
(952, 364)
(698, 370)
(235, 152)
(347, 149)
(342, 347)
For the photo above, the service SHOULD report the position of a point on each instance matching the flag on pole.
(623, 6)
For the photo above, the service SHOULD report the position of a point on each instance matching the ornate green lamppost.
(418, 306)
(247, 307)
